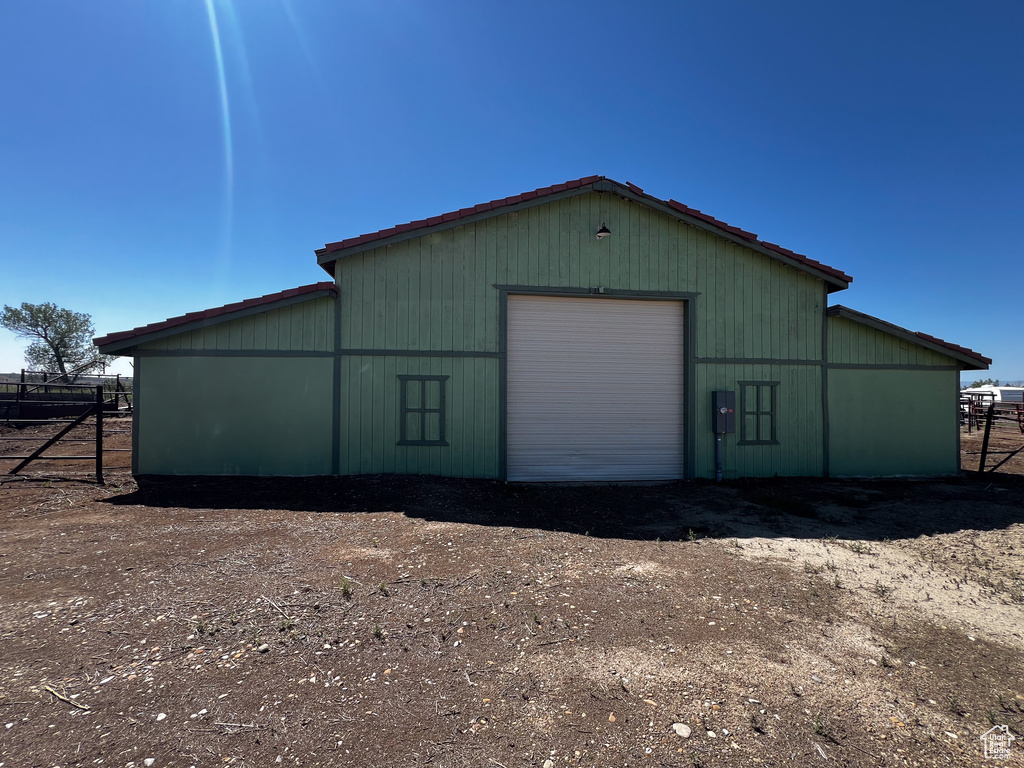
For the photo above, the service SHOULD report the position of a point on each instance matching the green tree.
(986, 382)
(61, 340)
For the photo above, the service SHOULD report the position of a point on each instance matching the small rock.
(816, 679)
(161, 716)
(711, 735)
(149, 761)
(549, 764)
(263, 648)
(681, 729)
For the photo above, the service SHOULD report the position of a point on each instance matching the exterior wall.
(230, 415)
(799, 423)
(884, 420)
(893, 422)
(370, 412)
(436, 294)
(850, 342)
(304, 326)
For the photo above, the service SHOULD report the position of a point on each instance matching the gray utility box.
(723, 412)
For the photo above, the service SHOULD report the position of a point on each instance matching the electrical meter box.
(723, 412)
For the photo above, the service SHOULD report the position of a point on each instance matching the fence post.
(17, 398)
(984, 440)
(99, 434)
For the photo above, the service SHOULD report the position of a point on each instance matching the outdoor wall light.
(603, 232)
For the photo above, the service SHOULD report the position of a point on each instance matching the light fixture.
(603, 232)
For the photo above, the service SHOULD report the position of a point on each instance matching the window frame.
(758, 413)
(404, 380)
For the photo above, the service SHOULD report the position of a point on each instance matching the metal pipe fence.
(42, 396)
(96, 410)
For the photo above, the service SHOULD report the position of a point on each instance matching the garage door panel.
(595, 389)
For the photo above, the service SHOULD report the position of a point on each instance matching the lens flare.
(225, 111)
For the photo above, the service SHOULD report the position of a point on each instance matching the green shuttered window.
(758, 410)
(421, 405)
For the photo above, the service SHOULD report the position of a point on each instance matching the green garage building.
(572, 333)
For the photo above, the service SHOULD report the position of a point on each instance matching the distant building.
(998, 394)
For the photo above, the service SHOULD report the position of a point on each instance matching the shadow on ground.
(800, 508)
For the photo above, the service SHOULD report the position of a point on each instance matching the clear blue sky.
(885, 139)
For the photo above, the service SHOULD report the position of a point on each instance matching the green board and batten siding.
(852, 343)
(884, 393)
(436, 295)
(233, 415)
(799, 422)
(370, 416)
(306, 326)
(247, 396)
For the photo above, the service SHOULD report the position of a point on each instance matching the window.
(758, 408)
(422, 410)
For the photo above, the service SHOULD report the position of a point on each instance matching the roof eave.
(748, 240)
(970, 361)
(126, 346)
(327, 255)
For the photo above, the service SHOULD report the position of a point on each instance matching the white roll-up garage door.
(595, 389)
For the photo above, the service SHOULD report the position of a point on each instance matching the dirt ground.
(402, 621)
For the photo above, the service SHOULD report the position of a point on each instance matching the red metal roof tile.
(811, 262)
(955, 347)
(206, 314)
